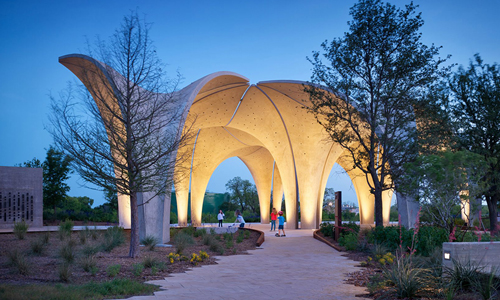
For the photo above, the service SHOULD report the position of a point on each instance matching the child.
(220, 217)
(239, 218)
(274, 216)
(281, 225)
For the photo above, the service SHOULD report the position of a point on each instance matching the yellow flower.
(382, 261)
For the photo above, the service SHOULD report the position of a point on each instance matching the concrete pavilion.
(267, 126)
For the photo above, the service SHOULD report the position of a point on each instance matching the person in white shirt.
(220, 217)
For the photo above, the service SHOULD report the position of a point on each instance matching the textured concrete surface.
(292, 267)
(21, 196)
(482, 254)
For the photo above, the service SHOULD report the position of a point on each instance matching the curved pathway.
(293, 267)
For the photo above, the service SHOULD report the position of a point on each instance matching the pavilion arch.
(267, 127)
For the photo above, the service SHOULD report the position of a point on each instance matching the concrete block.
(21, 196)
(483, 254)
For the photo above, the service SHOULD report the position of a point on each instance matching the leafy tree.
(56, 170)
(34, 163)
(125, 131)
(476, 108)
(374, 76)
(329, 201)
(439, 181)
(243, 194)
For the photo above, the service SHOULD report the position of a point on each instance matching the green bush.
(37, 246)
(462, 275)
(89, 263)
(181, 241)
(406, 280)
(65, 229)
(113, 237)
(67, 252)
(113, 270)
(65, 272)
(149, 261)
(137, 269)
(20, 229)
(150, 242)
(349, 241)
(173, 218)
(19, 261)
(327, 229)
(190, 230)
(389, 237)
(429, 238)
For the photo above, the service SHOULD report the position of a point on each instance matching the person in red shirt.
(274, 216)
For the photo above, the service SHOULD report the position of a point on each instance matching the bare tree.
(372, 78)
(124, 126)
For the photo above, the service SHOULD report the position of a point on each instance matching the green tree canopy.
(243, 194)
(373, 78)
(476, 108)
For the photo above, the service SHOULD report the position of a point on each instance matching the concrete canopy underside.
(267, 126)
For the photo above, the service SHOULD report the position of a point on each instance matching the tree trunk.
(492, 208)
(134, 228)
(379, 220)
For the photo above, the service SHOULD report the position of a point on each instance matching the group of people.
(275, 216)
(239, 218)
(278, 216)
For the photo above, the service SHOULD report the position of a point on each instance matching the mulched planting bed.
(45, 268)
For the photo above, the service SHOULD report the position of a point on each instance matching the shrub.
(150, 242)
(181, 241)
(208, 239)
(37, 246)
(327, 229)
(487, 285)
(137, 269)
(349, 241)
(65, 229)
(19, 261)
(462, 275)
(239, 239)
(405, 279)
(67, 252)
(201, 232)
(113, 270)
(90, 250)
(45, 237)
(227, 236)
(89, 263)
(430, 238)
(20, 229)
(216, 247)
(113, 237)
(229, 244)
(246, 234)
(149, 261)
(190, 230)
(65, 272)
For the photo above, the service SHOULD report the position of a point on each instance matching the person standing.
(239, 218)
(281, 225)
(274, 216)
(220, 217)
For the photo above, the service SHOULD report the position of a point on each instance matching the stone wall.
(484, 254)
(21, 196)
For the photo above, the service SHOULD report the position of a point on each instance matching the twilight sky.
(261, 40)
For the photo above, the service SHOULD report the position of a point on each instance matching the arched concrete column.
(277, 189)
(260, 164)
(208, 108)
(213, 146)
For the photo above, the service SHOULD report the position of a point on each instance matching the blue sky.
(262, 40)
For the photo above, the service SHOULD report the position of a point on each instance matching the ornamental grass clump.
(181, 241)
(67, 252)
(65, 272)
(113, 270)
(462, 275)
(20, 229)
(406, 280)
(18, 260)
(65, 229)
(89, 263)
(113, 237)
(150, 242)
(37, 246)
